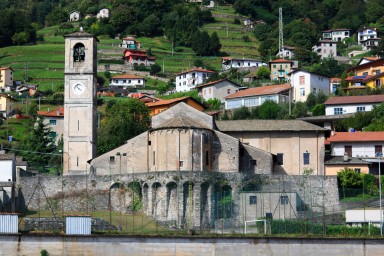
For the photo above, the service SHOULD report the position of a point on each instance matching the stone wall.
(184, 199)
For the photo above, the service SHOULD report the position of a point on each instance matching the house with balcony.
(325, 48)
(367, 75)
(189, 79)
(304, 83)
(6, 78)
(54, 119)
(126, 81)
(7, 105)
(280, 69)
(363, 145)
(253, 97)
(228, 63)
(351, 104)
(367, 38)
(130, 42)
(336, 35)
(218, 89)
(134, 57)
(287, 52)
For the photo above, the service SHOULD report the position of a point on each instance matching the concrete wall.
(172, 246)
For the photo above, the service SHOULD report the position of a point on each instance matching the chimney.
(345, 158)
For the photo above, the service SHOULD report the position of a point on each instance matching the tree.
(37, 149)
(20, 38)
(215, 44)
(121, 18)
(155, 68)
(150, 25)
(263, 72)
(214, 104)
(56, 17)
(318, 110)
(241, 113)
(123, 120)
(300, 109)
(269, 110)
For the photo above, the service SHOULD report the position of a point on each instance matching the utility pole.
(281, 33)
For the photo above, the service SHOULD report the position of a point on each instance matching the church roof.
(182, 122)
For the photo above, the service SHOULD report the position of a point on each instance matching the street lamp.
(380, 155)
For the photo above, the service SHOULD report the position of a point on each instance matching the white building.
(104, 13)
(241, 63)
(130, 42)
(363, 217)
(127, 81)
(351, 104)
(256, 96)
(365, 34)
(74, 16)
(286, 52)
(188, 80)
(7, 167)
(304, 83)
(217, 89)
(336, 35)
(325, 48)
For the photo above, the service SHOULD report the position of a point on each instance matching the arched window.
(78, 52)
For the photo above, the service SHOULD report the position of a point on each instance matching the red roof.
(53, 113)
(166, 102)
(354, 99)
(356, 137)
(215, 82)
(280, 61)
(265, 90)
(196, 70)
(127, 76)
(335, 80)
(5, 68)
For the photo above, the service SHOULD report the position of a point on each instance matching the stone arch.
(223, 200)
(205, 204)
(156, 200)
(188, 203)
(117, 198)
(172, 206)
(145, 190)
(134, 198)
(78, 52)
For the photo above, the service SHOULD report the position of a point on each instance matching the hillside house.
(287, 52)
(364, 145)
(135, 57)
(159, 106)
(334, 84)
(296, 145)
(336, 35)
(54, 119)
(364, 60)
(351, 104)
(27, 89)
(325, 48)
(250, 77)
(367, 38)
(240, 63)
(280, 69)
(217, 89)
(256, 96)
(127, 81)
(334, 164)
(7, 105)
(104, 13)
(304, 83)
(367, 75)
(74, 16)
(6, 79)
(130, 42)
(188, 80)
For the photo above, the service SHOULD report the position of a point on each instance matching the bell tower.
(79, 102)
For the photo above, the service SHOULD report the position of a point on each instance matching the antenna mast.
(281, 44)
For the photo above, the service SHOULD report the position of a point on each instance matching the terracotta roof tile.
(264, 90)
(267, 125)
(166, 102)
(196, 70)
(215, 82)
(52, 113)
(280, 61)
(354, 99)
(356, 137)
(127, 76)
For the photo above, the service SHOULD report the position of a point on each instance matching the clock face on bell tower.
(79, 102)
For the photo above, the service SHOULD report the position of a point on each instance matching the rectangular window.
(52, 135)
(280, 158)
(252, 199)
(338, 111)
(283, 199)
(52, 122)
(112, 159)
(365, 73)
(360, 109)
(124, 81)
(378, 82)
(302, 91)
(306, 158)
(252, 162)
(378, 149)
(228, 91)
(154, 158)
(358, 170)
(302, 80)
(348, 150)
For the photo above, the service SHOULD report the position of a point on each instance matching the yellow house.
(367, 75)
(6, 77)
(280, 69)
(334, 164)
(7, 104)
(161, 105)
